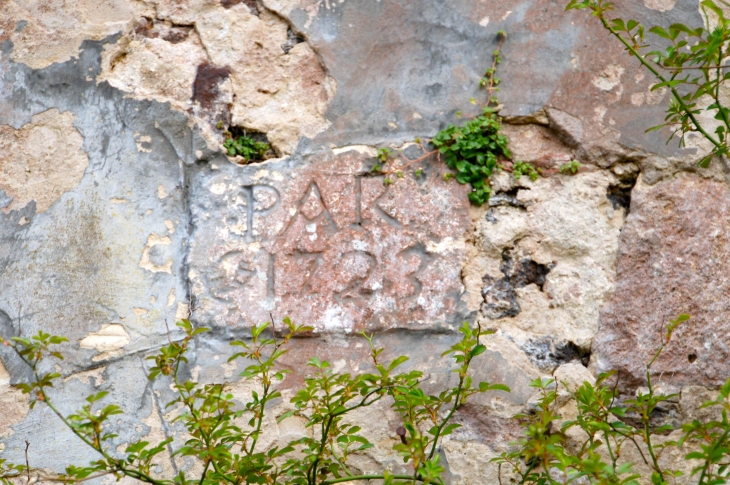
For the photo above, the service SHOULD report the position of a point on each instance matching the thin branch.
(27, 462)
(651, 68)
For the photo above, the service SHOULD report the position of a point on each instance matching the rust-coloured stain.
(147, 27)
(249, 3)
(207, 81)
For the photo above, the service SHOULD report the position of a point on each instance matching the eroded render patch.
(13, 403)
(111, 337)
(42, 160)
(223, 64)
(48, 31)
(151, 260)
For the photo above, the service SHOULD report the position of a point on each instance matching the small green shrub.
(474, 151)
(246, 147)
(546, 456)
(571, 167)
(476, 148)
(228, 450)
(523, 168)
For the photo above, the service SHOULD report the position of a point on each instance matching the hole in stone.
(292, 39)
(256, 144)
(620, 194)
(500, 297)
(692, 358)
(548, 353)
(508, 198)
(170, 32)
(251, 4)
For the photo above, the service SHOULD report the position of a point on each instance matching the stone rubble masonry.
(119, 213)
(673, 260)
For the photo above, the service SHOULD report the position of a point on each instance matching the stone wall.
(121, 214)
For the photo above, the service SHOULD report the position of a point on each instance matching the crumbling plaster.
(122, 216)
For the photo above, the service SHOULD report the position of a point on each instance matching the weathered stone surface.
(324, 242)
(13, 403)
(88, 248)
(416, 65)
(135, 219)
(223, 63)
(41, 32)
(155, 61)
(546, 257)
(41, 161)
(673, 260)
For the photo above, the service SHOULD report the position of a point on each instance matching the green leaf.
(660, 32)
(485, 386)
(479, 349)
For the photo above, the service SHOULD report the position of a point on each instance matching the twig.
(27, 462)
(491, 87)
(410, 162)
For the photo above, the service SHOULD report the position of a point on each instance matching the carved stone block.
(327, 243)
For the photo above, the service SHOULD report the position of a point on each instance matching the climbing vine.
(474, 149)
(693, 67)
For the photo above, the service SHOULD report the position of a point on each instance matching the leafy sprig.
(246, 147)
(693, 68)
(224, 437)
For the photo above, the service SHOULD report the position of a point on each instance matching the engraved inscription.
(258, 201)
(359, 266)
(329, 246)
(312, 208)
(418, 253)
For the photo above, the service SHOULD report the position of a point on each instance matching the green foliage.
(693, 67)
(246, 147)
(229, 452)
(544, 456)
(571, 167)
(523, 168)
(383, 154)
(474, 150)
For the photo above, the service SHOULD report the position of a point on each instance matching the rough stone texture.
(546, 256)
(13, 403)
(121, 215)
(673, 260)
(41, 161)
(223, 63)
(324, 242)
(77, 265)
(156, 61)
(552, 58)
(41, 32)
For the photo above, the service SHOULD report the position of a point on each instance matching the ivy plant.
(520, 168)
(693, 67)
(224, 436)
(474, 151)
(570, 168)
